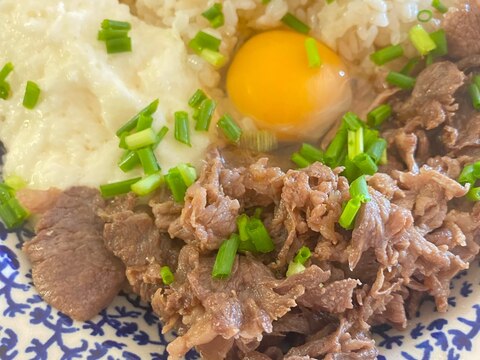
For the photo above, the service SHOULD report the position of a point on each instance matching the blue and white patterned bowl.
(127, 329)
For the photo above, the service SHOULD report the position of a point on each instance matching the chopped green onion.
(259, 235)
(15, 182)
(424, 15)
(214, 15)
(116, 25)
(140, 139)
(230, 128)
(410, 66)
(355, 143)
(4, 90)
(258, 213)
(12, 213)
(213, 57)
(247, 246)
(311, 153)
(144, 122)
(369, 137)
(302, 255)
(118, 188)
(349, 213)
(314, 59)
(476, 171)
(359, 190)
(260, 141)
(440, 39)
(382, 56)
(335, 148)
(421, 40)
(351, 171)
(467, 175)
(242, 222)
(132, 123)
(377, 116)
(476, 80)
(294, 268)
(182, 127)
(300, 161)
(176, 184)
(6, 70)
(167, 275)
(402, 81)
(197, 99)
(122, 144)
(205, 114)
(128, 161)
(295, 23)
(148, 184)
(148, 160)
(352, 121)
(429, 59)
(474, 194)
(160, 135)
(6, 192)
(376, 149)
(107, 34)
(203, 41)
(188, 173)
(365, 163)
(384, 158)
(474, 92)
(437, 4)
(119, 45)
(226, 257)
(32, 93)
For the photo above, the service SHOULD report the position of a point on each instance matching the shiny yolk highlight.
(270, 80)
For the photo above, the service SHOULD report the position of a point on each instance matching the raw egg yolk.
(270, 80)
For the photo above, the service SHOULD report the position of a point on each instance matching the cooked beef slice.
(462, 27)
(71, 268)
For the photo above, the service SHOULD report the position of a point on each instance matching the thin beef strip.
(462, 27)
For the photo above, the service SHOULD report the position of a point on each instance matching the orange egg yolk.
(270, 80)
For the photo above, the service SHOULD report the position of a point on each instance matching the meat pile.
(408, 242)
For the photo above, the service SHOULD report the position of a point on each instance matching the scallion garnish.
(141, 139)
(311, 153)
(188, 174)
(115, 35)
(359, 190)
(299, 160)
(148, 160)
(6, 70)
(118, 188)
(160, 135)
(352, 121)
(182, 127)
(377, 116)
(365, 163)
(336, 147)
(258, 233)
(116, 25)
(167, 275)
(230, 128)
(12, 213)
(313, 55)
(437, 4)
(467, 175)
(376, 149)
(440, 39)
(474, 92)
(242, 222)
(294, 268)
(355, 143)
(132, 123)
(382, 56)
(32, 93)
(119, 45)
(176, 184)
(107, 34)
(349, 213)
(402, 81)
(474, 194)
(214, 15)
(410, 66)
(424, 15)
(197, 99)
(226, 257)
(295, 23)
(144, 122)
(205, 114)
(4, 85)
(215, 58)
(128, 161)
(302, 255)
(421, 40)
(204, 40)
(148, 184)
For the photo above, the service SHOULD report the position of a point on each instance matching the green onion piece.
(247, 246)
(160, 135)
(148, 160)
(188, 173)
(437, 4)
(32, 93)
(376, 150)
(242, 222)
(299, 160)
(258, 213)
(476, 171)
(167, 275)
(213, 57)
(148, 184)
(122, 144)
(295, 23)
(424, 15)
(311, 153)
(359, 190)
(352, 121)
(382, 56)
(4, 90)
(6, 70)
(440, 39)
(355, 143)
(107, 34)
(351, 171)
(119, 45)
(6, 193)
(205, 114)
(12, 213)
(421, 40)
(176, 184)
(132, 123)
(226, 257)
(214, 15)
(476, 80)
(140, 139)
(230, 128)
(260, 141)
(144, 122)
(349, 213)
(128, 161)
(294, 268)
(182, 128)
(377, 116)
(259, 235)
(302, 255)
(116, 25)
(429, 59)
(337, 145)
(474, 92)
(197, 99)
(203, 41)
(467, 175)
(384, 158)
(366, 164)
(118, 188)
(314, 59)
(15, 182)
(369, 137)
(410, 66)
(402, 81)
(474, 194)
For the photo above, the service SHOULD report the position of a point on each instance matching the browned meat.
(463, 31)
(72, 270)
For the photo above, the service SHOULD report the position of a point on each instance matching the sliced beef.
(71, 267)
(462, 27)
